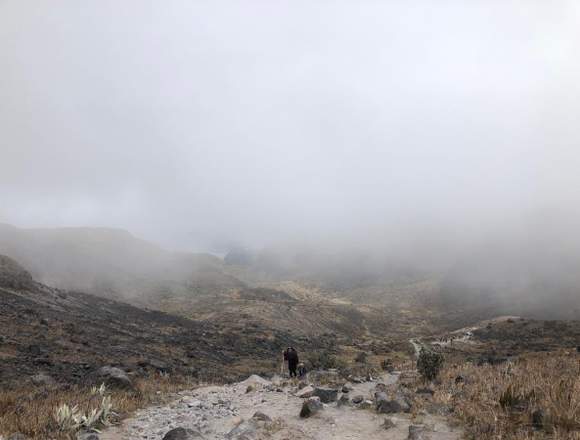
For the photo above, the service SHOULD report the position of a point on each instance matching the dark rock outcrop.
(310, 407)
(182, 434)
(326, 395)
(384, 405)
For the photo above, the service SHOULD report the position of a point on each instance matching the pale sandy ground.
(215, 410)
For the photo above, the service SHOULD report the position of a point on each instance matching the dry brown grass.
(31, 411)
(499, 402)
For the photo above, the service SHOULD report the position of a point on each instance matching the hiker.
(291, 355)
(301, 369)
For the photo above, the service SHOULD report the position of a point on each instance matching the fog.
(202, 125)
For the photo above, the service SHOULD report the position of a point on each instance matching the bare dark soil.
(69, 335)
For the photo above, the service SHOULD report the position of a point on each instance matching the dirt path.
(216, 410)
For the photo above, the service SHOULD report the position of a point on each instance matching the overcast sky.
(199, 123)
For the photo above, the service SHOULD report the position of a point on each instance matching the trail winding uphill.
(260, 409)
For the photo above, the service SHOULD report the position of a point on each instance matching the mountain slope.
(110, 262)
(68, 335)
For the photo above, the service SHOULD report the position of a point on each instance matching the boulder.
(42, 379)
(311, 406)
(244, 431)
(347, 387)
(87, 436)
(418, 432)
(343, 401)
(259, 415)
(384, 405)
(182, 434)
(326, 395)
(358, 399)
(305, 392)
(388, 424)
(114, 377)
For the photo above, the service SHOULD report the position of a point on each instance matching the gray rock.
(418, 432)
(358, 399)
(182, 434)
(305, 392)
(326, 395)
(259, 415)
(87, 436)
(347, 387)
(344, 400)
(42, 379)
(388, 424)
(244, 431)
(17, 436)
(384, 405)
(114, 377)
(310, 407)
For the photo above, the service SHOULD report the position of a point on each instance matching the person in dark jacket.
(291, 356)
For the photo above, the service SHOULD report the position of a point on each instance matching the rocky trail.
(260, 409)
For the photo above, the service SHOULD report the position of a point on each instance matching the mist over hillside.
(110, 262)
(527, 274)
